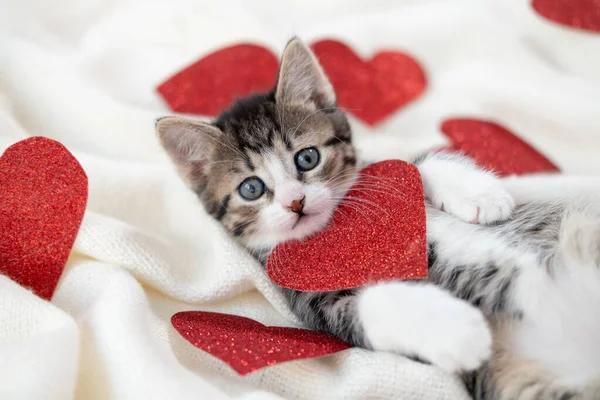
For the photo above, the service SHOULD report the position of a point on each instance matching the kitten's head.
(274, 166)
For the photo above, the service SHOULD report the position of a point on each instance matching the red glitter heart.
(495, 147)
(246, 345)
(580, 14)
(371, 90)
(377, 234)
(44, 193)
(212, 83)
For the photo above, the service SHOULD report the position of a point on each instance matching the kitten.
(274, 167)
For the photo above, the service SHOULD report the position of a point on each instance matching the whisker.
(367, 203)
(360, 209)
(370, 207)
(338, 175)
(242, 225)
(339, 210)
(379, 190)
(373, 185)
(366, 185)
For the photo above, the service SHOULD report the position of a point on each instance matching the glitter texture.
(44, 194)
(579, 14)
(212, 83)
(377, 234)
(371, 90)
(495, 147)
(246, 345)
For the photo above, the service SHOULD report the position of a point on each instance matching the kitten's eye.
(307, 159)
(251, 188)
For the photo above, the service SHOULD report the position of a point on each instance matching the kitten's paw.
(425, 321)
(470, 194)
(477, 202)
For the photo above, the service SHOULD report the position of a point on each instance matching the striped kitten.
(274, 166)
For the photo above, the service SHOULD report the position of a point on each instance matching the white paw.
(456, 186)
(424, 320)
(479, 201)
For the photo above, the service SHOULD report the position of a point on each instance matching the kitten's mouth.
(305, 220)
(308, 222)
(301, 216)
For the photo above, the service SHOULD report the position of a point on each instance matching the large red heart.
(580, 14)
(44, 193)
(495, 147)
(377, 234)
(371, 90)
(212, 83)
(246, 345)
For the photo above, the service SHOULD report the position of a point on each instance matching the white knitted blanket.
(84, 73)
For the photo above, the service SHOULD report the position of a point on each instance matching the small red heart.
(579, 14)
(377, 234)
(495, 147)
(44, 193)
(212, 83)
(374, 89)
(246, 345)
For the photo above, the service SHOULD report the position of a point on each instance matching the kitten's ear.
(301, 79)
(188, 143)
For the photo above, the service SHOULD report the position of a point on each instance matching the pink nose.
(297, 206)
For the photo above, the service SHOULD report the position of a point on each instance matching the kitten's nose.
(297, 206)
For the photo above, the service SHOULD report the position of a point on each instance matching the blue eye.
(252, 188)
(307, 159)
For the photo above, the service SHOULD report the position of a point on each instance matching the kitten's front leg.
(426, 321)
(455, 184)
(413, 319)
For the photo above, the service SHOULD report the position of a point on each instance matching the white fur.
(288, 191)
(427, 321)
(456, 185)
(467, 244)
(276, 222)
(561, 328)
